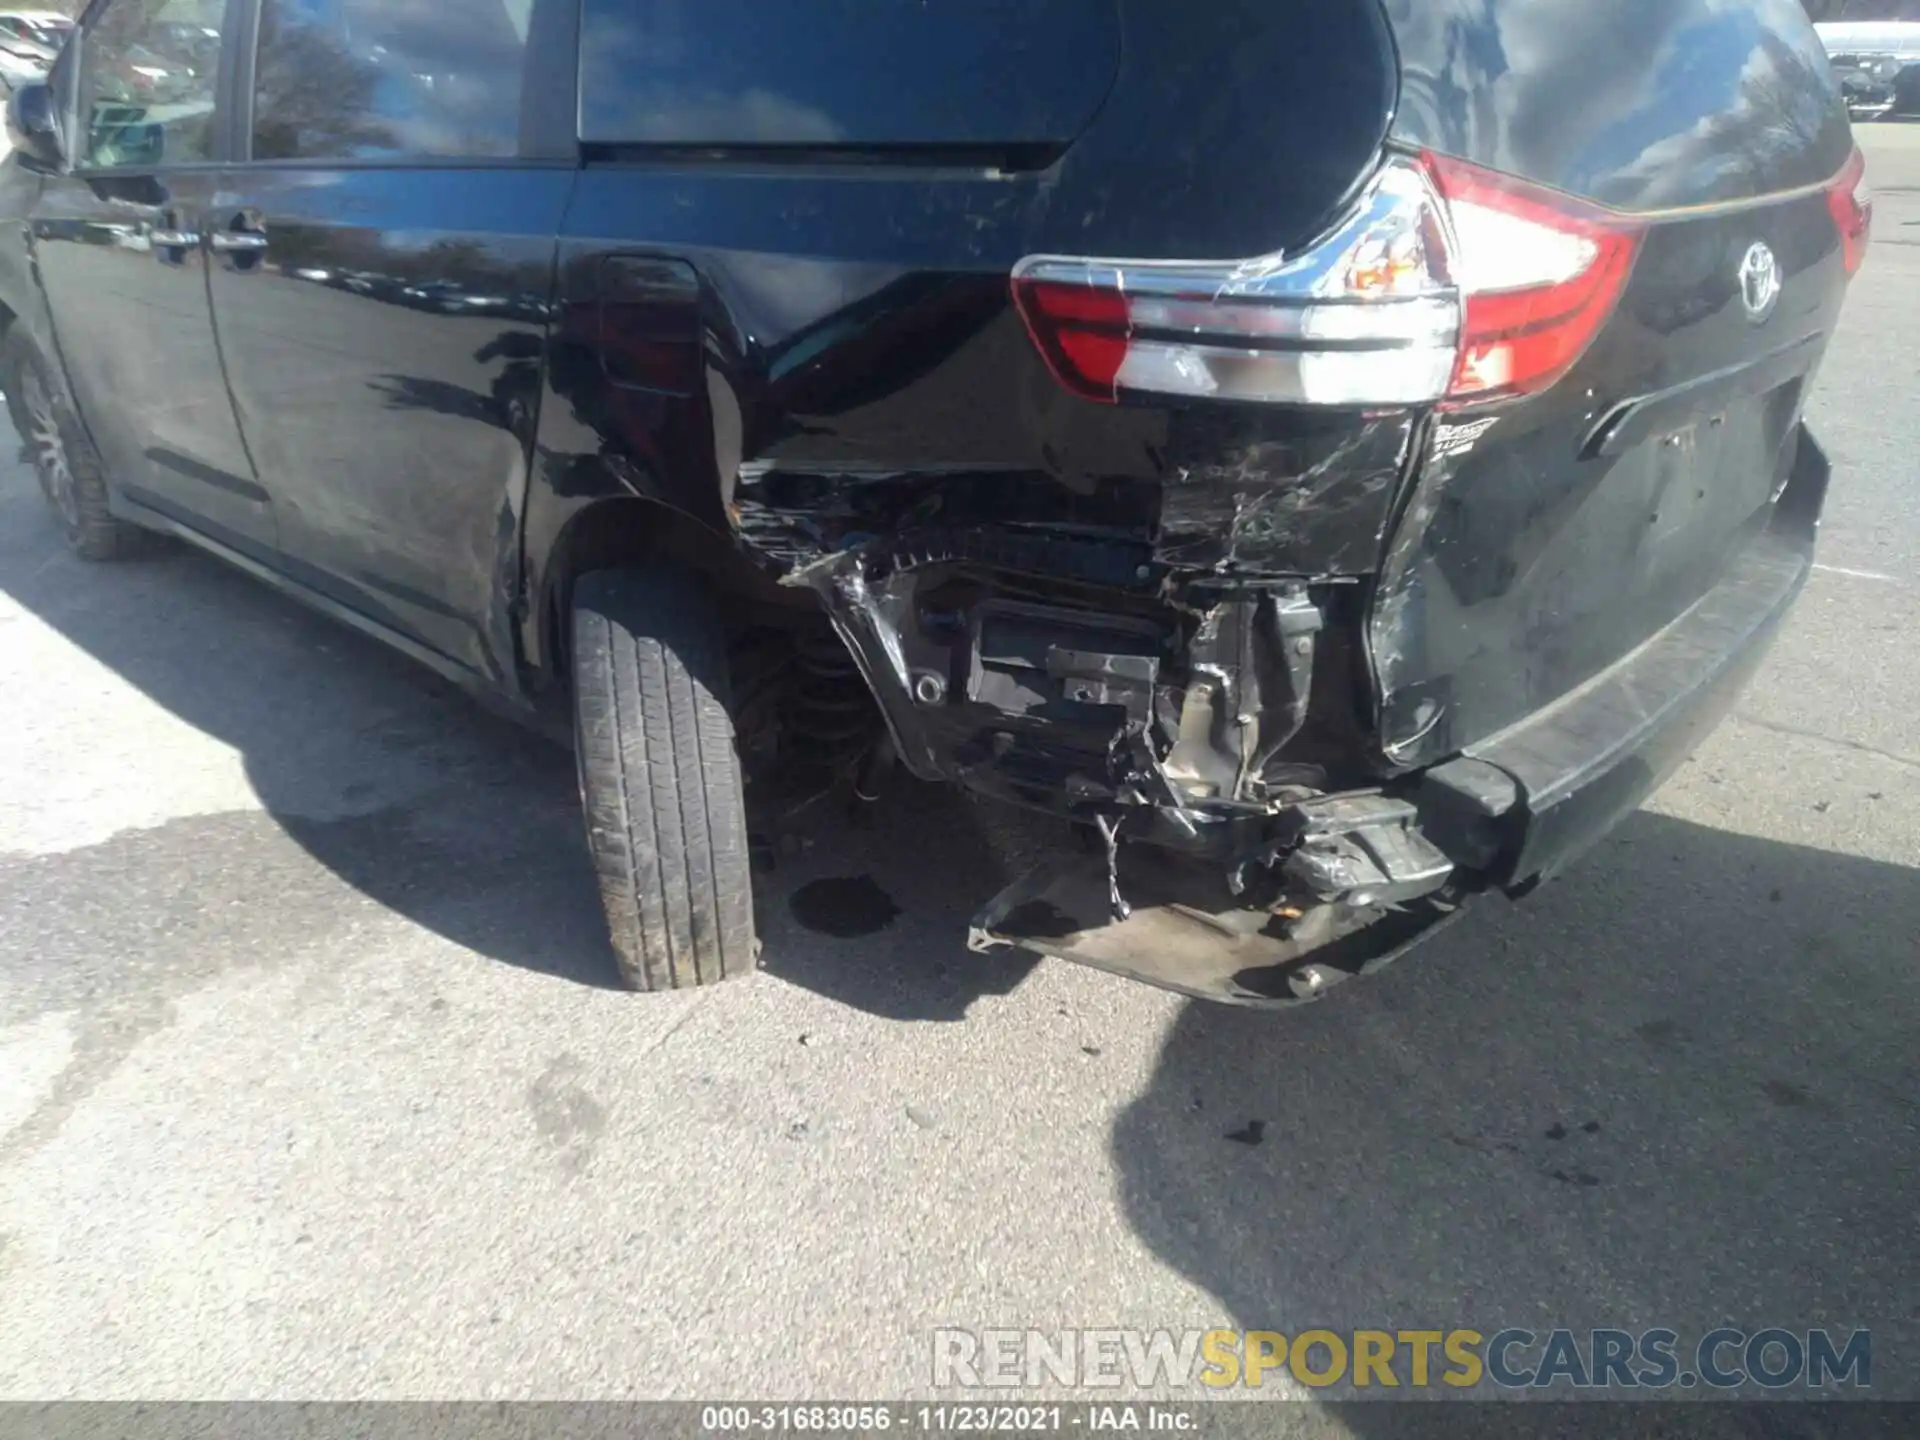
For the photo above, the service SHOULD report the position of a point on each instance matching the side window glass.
(148, 76)
(389, 79)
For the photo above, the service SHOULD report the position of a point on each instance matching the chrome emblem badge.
(1759, 282)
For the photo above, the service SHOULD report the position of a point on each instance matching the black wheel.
(660, 778)
(71, 474)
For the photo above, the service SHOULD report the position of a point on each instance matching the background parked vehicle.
(23, 62)
(29, 41)
(47, 28)
(1877, 64)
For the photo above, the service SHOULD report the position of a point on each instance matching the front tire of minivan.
(660, 779)
(72, 475)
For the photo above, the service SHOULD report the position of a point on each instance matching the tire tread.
(660, 779)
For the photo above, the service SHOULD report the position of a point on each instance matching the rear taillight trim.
(1395, 306)
(1277, 328)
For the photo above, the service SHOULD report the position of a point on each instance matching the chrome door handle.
(173, 239)
(229, 242)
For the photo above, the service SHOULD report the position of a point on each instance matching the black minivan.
(1339, 455)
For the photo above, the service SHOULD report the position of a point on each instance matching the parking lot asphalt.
(314, 1082)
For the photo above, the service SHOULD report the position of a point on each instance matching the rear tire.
(72, 475)
(660, 779)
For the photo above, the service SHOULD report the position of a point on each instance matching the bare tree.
(313, 97)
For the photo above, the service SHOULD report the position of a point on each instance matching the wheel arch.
(617, 532)
(23, 308)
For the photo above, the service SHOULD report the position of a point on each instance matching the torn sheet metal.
(1314, 503)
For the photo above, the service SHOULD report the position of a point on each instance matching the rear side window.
(148, 75)
(389, 79)
(816, 73)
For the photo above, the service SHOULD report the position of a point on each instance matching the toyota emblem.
(1759, 282)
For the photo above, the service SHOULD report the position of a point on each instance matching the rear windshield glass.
(843, 72)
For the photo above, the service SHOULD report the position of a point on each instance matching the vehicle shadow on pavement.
(910, 872)
(409, 794)
(1676, 1088)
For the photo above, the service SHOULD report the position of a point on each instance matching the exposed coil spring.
(828, 713)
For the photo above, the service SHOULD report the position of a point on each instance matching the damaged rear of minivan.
(1344, 455)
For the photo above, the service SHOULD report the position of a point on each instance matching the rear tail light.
(1851, 201)
(1539, 273)
(1448, 283)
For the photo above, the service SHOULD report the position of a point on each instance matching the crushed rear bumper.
(1512, 810)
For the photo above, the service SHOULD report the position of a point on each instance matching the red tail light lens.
(1082, 332)
(1851, 202)
(1447, 283)
(1540, 274)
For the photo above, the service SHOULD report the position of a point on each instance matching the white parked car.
(23, 62)
(42, 27)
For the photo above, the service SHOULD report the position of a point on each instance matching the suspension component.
(829, 716)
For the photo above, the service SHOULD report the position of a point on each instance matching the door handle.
(173, 239)
(232, 242)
